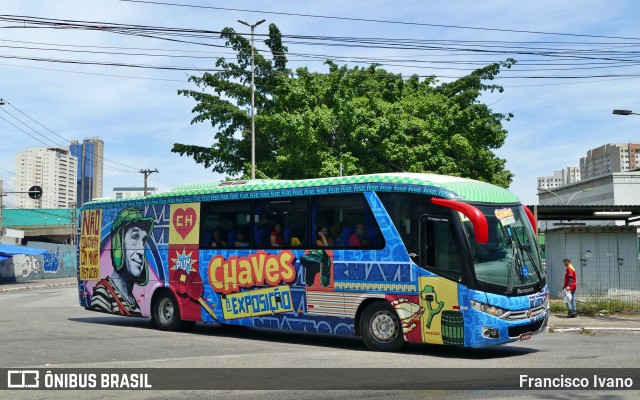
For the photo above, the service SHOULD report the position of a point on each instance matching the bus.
(391, 258)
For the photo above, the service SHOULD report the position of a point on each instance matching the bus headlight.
(486, 308)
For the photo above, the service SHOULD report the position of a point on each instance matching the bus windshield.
(510, 259)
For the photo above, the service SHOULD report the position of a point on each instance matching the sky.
(577, 61)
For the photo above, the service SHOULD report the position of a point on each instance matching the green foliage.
(366, 120)
(596, 306)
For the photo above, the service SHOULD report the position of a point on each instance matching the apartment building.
(610, 158)
(563, 177)
(52, 168)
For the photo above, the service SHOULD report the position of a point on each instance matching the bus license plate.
(525, 336)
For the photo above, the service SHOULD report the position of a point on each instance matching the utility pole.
(146, 173)
(253, 90)
(73, 222)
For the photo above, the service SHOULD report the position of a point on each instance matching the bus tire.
(166, 313)
(380, 327)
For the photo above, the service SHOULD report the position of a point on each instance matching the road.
(47, 328)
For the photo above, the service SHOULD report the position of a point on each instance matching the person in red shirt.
(276, 236)
(359, 237)
(570, 286)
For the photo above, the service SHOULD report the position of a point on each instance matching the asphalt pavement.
(557, 322)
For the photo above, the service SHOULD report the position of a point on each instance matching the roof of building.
(23, 217)
(577, 213)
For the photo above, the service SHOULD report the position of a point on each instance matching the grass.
(594, 307)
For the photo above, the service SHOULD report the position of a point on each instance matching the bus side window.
(341, 216)
(226, 217)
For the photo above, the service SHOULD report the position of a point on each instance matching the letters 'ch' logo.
(184, 220)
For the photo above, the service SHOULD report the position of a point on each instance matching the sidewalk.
(38, 283)
(558, 323)
(617, 322)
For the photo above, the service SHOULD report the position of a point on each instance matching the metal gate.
(605, 259)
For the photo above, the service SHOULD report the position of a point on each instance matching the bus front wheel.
(166, 313)
(380, 327)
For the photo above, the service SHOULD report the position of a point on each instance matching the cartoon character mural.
(442, 322)
(129, 234)
(317, 262)
(184, 262)
(430, 297)
(409, 312)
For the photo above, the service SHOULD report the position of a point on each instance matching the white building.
(52, 168)
(614, 189)
(610, 158)
(563, 177)
(128, 192)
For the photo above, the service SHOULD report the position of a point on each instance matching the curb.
(588, 328)
(39, 286)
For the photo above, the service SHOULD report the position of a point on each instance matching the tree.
(363, 120)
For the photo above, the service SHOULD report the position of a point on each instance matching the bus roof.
(453, 187)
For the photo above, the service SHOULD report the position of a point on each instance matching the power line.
(381, 43)
(93, 154)
(383, 21)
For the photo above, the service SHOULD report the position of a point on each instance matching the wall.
(60, 260)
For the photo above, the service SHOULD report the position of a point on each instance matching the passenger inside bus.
(324, 238)
(241, 240)
(276, 235)
(359, 238)
(296, 236)
(217, 238)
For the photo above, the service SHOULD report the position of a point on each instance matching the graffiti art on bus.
(229, 275)
(318, 269)
(410, 312)
(184, 262)
(441, 321)
(124, 258)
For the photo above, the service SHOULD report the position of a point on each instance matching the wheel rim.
(384, 327)
(166, 311)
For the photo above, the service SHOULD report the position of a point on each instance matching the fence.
(606, 260)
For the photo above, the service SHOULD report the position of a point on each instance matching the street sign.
(35, 192)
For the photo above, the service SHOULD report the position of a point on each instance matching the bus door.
(441, 255)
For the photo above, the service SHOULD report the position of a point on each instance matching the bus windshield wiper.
(514, 257)
(512, 266)
(527, 250)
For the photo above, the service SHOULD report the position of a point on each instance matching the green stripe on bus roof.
(466, 189)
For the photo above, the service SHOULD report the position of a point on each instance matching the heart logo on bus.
(184, 220)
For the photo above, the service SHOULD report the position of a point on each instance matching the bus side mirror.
(477, 218)
(532, 219)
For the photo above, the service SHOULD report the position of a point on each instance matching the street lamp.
(582, 191)
(572, 196)
(253, 89)
(624, 112)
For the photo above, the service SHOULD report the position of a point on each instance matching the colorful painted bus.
(392, 258)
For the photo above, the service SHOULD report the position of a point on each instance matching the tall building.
(563, 177)
(52, 168)
(90, 154)
(610, 158)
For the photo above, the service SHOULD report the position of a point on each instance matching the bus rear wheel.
(380, 327)
(166, 313)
